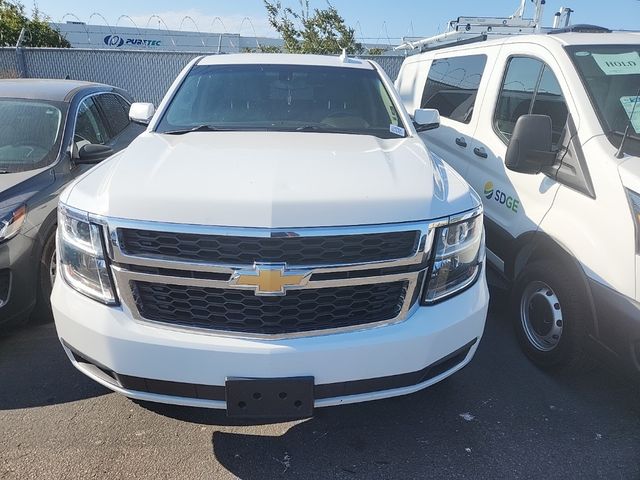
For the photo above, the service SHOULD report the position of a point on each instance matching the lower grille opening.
(328, 390)
(242, 311)
(99, 370)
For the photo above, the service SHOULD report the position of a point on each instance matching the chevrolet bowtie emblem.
(269, 279)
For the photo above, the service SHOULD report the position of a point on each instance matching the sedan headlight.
(634, 202)
(10, 221)
(458, 257)
(83, 263)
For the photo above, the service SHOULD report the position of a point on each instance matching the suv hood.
(273, 180)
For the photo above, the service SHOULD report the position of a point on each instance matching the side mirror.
(530, 148)
(90, 153)
(141, 112)
(426, 119)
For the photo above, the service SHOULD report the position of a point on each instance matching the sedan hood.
(17, 188)
(273, 180)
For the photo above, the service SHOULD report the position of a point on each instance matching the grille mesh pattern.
(242, 311)
(339, 249)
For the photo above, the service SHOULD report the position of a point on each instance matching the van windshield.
(611, 75)
(30, 134)
(283, 98)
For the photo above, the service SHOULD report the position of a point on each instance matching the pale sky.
(372, 19)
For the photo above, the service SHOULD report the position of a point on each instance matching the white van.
(546, 128)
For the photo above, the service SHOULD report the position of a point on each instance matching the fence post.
(20, 63)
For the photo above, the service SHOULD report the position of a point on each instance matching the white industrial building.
(83, 35)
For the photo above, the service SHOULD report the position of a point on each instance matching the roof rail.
(580, 28)
(464, 41)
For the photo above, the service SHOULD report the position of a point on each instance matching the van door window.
(529, 86)
(452, 86)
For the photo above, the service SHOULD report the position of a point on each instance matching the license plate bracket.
(269, 397)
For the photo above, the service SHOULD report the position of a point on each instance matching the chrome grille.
(245, 250)
(374, 282)
(242, 311)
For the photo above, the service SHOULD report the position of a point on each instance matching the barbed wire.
(203, 37)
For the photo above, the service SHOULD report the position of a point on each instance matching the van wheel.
(47, 276)
(550, 316)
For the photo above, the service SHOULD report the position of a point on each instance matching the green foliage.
(38, 31)
(263, 49)
(376, 51)
(321, 31)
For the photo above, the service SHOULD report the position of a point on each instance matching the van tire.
(550, 316)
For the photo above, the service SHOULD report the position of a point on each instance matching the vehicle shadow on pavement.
(35, 371)
(500, 417)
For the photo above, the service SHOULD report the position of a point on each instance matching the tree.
(38, 31)
(263, 49)
(321, 31)
(376, 51)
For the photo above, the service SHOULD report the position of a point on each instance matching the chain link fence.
(146, 75)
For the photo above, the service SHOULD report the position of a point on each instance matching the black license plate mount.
(269, 397)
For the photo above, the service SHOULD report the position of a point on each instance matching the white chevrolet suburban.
(278, 239)
(546, 127)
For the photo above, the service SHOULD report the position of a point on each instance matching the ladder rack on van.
(473, 29)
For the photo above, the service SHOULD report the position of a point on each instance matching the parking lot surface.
(500, 417)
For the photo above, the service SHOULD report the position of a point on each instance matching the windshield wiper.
(199, 128)
(620, 152)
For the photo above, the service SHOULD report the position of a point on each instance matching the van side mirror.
(90, 154)
(531, 147)
(426, 119)
(141, 113)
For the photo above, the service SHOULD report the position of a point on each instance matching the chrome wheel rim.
(53, 267)
(541, 316)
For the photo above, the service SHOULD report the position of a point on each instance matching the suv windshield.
(283, 98)
(30, 134)
(611, 75)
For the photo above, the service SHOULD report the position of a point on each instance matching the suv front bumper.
(164, 365)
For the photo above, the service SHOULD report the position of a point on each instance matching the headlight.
(634, 201)
(82, 259)
(459, 253)
(11, 221)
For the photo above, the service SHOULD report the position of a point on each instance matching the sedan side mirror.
(531, 147)
(141, 112)
(426, 119)
(90, 153)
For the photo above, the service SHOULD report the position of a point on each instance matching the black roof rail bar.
(580, 28)
(466, 41)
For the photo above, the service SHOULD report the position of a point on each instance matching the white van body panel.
(544, 204)
(588, 220)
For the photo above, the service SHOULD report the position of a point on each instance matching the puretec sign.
(118, 41)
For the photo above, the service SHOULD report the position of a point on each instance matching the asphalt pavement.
(500, 417)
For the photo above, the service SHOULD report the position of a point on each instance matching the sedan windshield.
(611, 75)
(30, 134)
(283, 98)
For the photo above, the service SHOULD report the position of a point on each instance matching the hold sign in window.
(618, 63)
